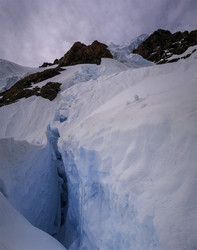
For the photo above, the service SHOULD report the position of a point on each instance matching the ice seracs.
(124, 53)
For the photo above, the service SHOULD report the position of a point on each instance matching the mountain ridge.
(160, 47)
(162, 44)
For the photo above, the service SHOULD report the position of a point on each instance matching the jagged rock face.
(162, 44)
(24, 87)
(80, 53)
(45, 64)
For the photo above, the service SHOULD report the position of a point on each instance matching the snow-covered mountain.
(11, 72)
(110, 163)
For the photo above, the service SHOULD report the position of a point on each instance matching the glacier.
(123, 53)
(119, 142)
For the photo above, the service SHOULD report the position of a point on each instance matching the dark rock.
(80, 54)
(45, 64)
(40, 76)
(56, 61)
(24, 87)
(160, 45)
(50, 90)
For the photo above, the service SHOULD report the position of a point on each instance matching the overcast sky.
(34, 31)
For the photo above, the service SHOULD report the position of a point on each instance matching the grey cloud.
(37, 31)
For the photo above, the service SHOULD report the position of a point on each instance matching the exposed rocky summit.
(81, 53)
(162, 44)
(24, 87)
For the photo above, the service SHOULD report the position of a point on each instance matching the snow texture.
(127, 138)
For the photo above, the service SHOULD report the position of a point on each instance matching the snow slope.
(134, 158)
(127, 139)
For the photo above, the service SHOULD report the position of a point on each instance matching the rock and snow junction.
(126, 138)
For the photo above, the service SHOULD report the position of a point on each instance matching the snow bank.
(17, 233)
(27, 119)
(131, 162)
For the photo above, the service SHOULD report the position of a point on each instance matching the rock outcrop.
(24, 88)
(46, 64)
(162, 44)
(50, 90)
(81, 54)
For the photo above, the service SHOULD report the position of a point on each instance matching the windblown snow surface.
(127, 140)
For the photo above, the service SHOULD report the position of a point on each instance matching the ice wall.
(32, 178)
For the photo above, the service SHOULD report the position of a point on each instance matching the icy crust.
(131, 162)
(17, 233)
